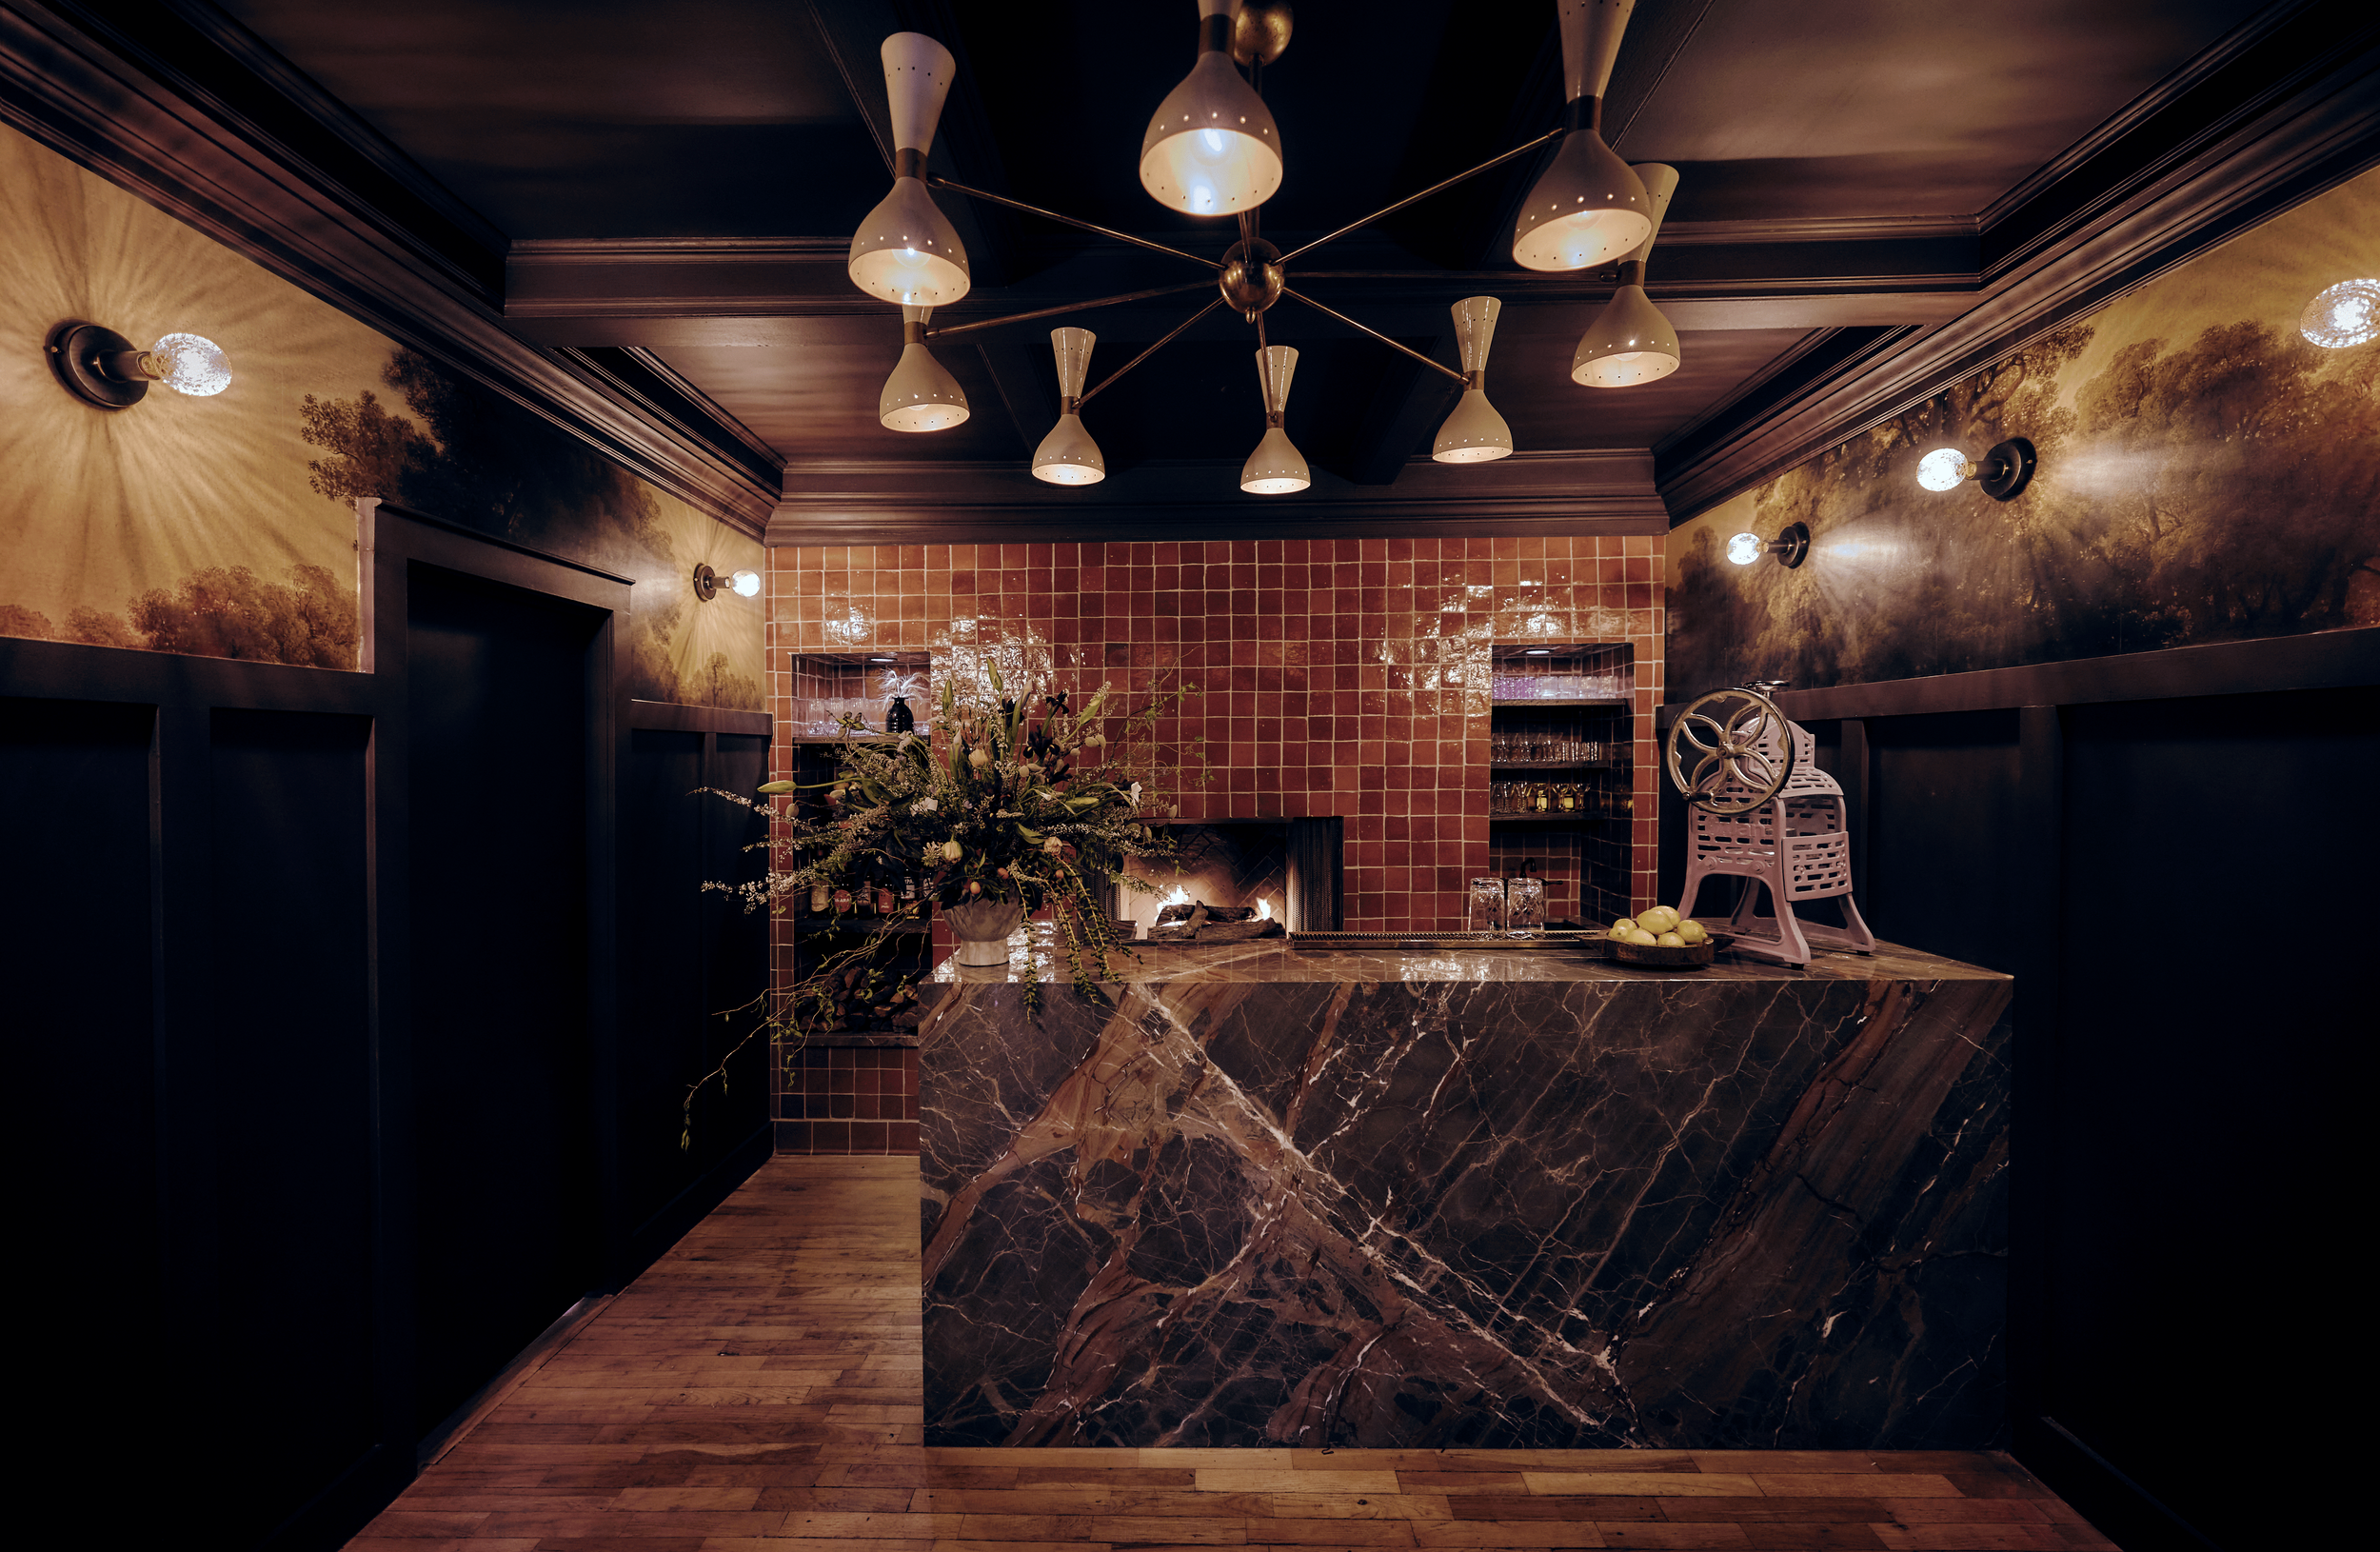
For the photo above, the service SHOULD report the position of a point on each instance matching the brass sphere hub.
(1251, 282)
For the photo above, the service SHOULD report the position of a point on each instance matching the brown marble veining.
(1248, 1195)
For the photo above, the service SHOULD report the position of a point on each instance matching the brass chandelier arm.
(1106, 382)
(1440, 368)
(1070, 221)
(1524, 150)
(970, 327)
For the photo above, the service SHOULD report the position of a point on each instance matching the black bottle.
(899, 718)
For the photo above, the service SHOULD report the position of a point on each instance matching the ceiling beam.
(1768, 274)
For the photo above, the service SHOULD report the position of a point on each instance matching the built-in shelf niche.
(1561, 720)
(862, 682)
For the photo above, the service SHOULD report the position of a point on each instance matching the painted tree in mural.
(2226, 489)
(471, 456)
(2245, 500)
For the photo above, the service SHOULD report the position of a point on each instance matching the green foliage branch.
(1036, 806)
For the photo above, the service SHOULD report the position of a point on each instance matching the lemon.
(1693, 931)
(1659, 919)
(1640, 938)
(1622, 927)
(1671, 940)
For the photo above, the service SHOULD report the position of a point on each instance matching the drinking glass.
(1483, 909)
(1525, 907)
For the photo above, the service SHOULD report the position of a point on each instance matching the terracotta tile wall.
(840, 1100)
(1338, 676)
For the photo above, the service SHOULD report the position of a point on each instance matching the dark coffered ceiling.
(636, 214)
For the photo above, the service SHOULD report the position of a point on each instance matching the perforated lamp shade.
(1588, 207)
(906, 252)
(1067, 456)
(1474, 432)
(920, 395)
(1277, 467)
(1629, 341)
(1212, 148)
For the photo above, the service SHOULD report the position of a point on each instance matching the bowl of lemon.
(1661, 939)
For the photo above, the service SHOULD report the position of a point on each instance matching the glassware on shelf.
(1483, 908)
(1567, 798)
(1525, 907)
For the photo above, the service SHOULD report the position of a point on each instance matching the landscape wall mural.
(225, 526)
(2205, 475)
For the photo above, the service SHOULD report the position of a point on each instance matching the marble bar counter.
(1245, 1195)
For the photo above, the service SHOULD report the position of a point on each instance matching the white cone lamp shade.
(1629, 341)
(906, 250)
(1589, 207)
(1067, 456)
(1212, 148)
(1474, 432)
(1277, 467)
(920, 395)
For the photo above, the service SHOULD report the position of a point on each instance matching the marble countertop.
(1274, 960)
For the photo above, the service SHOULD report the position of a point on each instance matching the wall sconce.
(706, 585)
(1791, 546)
(101, 366)
(2342, 315)
(2005, 470)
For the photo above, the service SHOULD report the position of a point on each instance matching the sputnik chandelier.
(1212, 149)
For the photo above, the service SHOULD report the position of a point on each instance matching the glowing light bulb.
(1943, 469)
(2343, 315)
(747, 583)
(190, 364)
(1745, 548)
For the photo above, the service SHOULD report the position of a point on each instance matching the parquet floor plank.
(758, 1391)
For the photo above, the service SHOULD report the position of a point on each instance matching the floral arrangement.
(1025, 804)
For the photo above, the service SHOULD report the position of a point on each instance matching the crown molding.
(163, 101)
(1604, 491)
(2283, 108)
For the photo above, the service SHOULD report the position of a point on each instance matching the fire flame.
(1264, 911)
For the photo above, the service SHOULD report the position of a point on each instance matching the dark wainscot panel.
(1453, 1200)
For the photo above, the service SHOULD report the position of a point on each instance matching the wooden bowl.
(1655, 957)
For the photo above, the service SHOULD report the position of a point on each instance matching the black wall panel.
(290, 1386)
(78, 1010)
(322, 1099)
(1942, 809)
(694, 956)
(2209, 1013)
(507, 1226)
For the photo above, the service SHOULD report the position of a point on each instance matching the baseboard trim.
(435, 1445)
(2116, 1506)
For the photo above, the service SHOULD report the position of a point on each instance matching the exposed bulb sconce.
(1212, 147)
(1589, 207)
(2005, 470)
(920, 395)
(1067, 456)
(906, 250)
(1277, 467)
(706, 584)
(101, 366)
(2342, 315)
(1629, 341)
(1474, 432)
(1791, 546)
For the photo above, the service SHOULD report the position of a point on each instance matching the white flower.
(980, 758)
(1053, 845)
(950, 851)
(923, 806)
(1136, 794)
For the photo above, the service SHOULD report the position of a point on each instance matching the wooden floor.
(758, 1389)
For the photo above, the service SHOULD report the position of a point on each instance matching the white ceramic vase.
(983, 929)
